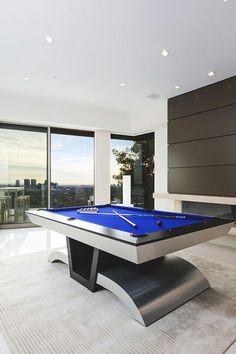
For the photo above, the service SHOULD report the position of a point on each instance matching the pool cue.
(112, 214)
(122, 217)
(171, 216)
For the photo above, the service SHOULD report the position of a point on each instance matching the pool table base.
(149, 290)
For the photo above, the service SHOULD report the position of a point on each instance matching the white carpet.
(43, 311)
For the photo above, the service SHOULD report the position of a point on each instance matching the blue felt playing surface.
(145, 220)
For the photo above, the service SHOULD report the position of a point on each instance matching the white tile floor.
(18, 242)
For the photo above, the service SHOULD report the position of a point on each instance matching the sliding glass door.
(23, 172)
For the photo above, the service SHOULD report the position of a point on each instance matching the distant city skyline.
(19, 183)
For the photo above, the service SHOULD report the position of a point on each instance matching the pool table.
(127, 251)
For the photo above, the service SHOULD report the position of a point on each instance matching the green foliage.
(140, 154)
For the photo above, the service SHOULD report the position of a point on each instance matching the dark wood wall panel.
(208, 152)
(219, 94)
(217, 122)
(202, 141)
(217, 180)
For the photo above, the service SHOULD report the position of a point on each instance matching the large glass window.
(23, 172)
(134, 157)
(72, 168)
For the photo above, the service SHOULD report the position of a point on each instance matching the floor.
(19, 242)
(3, 347)
(222, 249)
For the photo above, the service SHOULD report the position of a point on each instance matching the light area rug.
(43, 311)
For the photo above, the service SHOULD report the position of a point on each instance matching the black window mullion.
(72, 132)
(23, 127)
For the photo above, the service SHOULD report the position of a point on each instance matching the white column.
(161, 168)
(126, 189)
(102, 167)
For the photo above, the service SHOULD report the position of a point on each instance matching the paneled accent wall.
(202, 141)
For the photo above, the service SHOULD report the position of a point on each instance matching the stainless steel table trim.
(131, 251)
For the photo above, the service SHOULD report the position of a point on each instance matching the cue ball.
(159, 223)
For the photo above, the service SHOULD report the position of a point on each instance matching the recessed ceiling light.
(177, 87)
(49, 39)
(26, 78)
(92, 98)
(211, 73)
(122, 84)
(225, 0)
(164, 52)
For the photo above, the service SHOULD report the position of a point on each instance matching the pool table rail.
(124, 244)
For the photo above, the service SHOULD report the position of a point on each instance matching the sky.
(23, 155)
(72, 159)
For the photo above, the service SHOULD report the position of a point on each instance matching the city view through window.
(72, 170)
(23, 172)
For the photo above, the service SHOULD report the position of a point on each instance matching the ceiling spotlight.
(122, 84)
(49, 39)
(225, 0)
(211, 73)
(164, 52)
(177, 87)
(26, 78)
(92, 98)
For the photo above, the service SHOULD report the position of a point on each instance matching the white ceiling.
(100, 43)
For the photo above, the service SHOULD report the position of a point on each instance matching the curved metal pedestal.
(149, 290)
(153, 289)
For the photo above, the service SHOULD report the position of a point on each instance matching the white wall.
(102, 167)
(161, 167)
(31, 110)
(148, 118)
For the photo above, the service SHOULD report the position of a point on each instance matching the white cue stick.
(122, 217)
